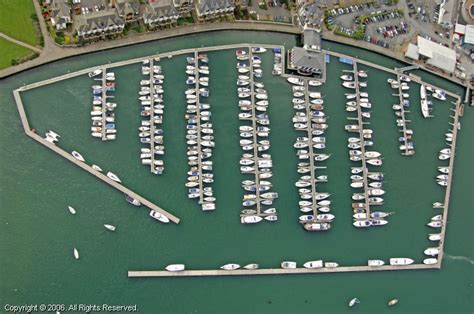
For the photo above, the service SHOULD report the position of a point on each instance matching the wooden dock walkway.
(272, 271)
(407, 150)
(85, 166)
(199, 130)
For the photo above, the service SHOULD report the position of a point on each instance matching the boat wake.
(460, 258)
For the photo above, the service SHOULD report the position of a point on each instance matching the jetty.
(407, 147)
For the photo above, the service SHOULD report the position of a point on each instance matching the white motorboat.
(156, 215)
(437, 218)
(434, 236)
(430, 261)
(288, 265)
(95, 72)
(314, 83)
(271, 218)
(353, 302)
(372, 154)
(346, 77)
(317, 226)
(97, 168)
(392, 302)
(331, 264)
(175, 267)
(444, 156)
(313, 264)
(113, 176)
(109, 227)
(295, 81)
(77, 156)
(362, 223)
(76, 253)
(435, 224)
(251, 266)
(431, 251)
(350, 85)
(375, 262)
(401, 261)
(250, 219)
(424, 101)
(71, 210)
(230, 266)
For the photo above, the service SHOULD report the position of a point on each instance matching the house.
(99, 24)
(208, 10)
(160, 13)
(60, 14)
(128, 10)
(184, 7)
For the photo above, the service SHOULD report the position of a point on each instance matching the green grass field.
(9, 51)
(16, 22)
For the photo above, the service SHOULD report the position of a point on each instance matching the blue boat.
(110, 126)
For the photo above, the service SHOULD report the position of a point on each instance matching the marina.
(200, 138)
(365, 185)
(256, 159)
(314, 205)
(362, 178)
(152, 106)
(407, 147)
(102, 114)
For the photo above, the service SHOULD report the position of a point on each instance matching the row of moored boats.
(150, 131)
(367, 183)
(406, 146)
(310, 119)
(256, 160)
(425, 102)
(102, 114)
(200, 133)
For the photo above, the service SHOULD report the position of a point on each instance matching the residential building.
(159, 13)
(127, 10)
(184, 7)
(99, 24)
(60, 14)
(208, 10)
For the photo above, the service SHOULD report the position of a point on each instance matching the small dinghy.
(109, 227)
(353, 302)
(71, 210)
(76, 253)
(392, 302)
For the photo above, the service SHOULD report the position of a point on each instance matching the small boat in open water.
(392, 302)
(76, 253)
(353, 302)
(71, 210)
(110, 227)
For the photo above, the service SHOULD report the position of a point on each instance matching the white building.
(433, 53)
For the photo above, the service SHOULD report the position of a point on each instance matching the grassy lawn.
(16, 22)
(9, 51)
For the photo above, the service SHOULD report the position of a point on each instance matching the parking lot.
(276, 11)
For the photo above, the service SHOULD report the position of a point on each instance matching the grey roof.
(312, 39)
(126, 7)
(60, 8)
(205, 6)
(160, 9)
(98, 21)
(307, 60)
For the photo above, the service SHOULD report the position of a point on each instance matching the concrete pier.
(406, 151)
(85, 166)
(272, 271)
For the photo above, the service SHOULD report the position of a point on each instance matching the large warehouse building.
(433, 53)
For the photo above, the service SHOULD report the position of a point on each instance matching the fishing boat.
(401, 261)
(230, 266)
(251, 266)
(392, 302)
(353, 302)
(175, 267)
(109, 227)
(156, 215)
(313, 264)
(77, 156)
(113, 176)
(375, 262)
(288, 265)
(76, 253)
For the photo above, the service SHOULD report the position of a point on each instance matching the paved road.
(13, 40)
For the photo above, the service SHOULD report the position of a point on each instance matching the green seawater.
(37, 233)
